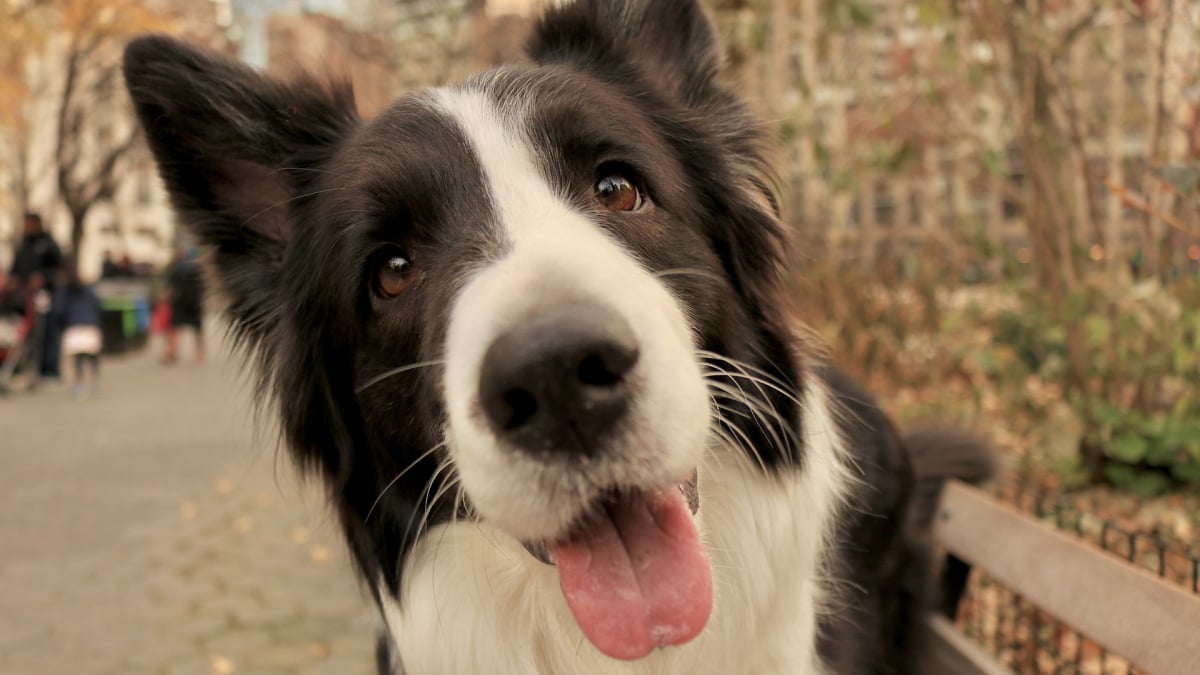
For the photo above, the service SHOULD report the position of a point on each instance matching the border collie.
(528, 330)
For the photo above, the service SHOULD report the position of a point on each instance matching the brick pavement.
(151, 531)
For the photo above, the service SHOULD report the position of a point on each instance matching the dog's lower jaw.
(473, 601)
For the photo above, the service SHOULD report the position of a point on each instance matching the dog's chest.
(477, 603)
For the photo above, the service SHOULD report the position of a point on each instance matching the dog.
(528, 330)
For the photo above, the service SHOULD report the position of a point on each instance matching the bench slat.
(1129, 610)
(951, 653)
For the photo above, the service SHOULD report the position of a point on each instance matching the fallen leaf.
(222, 665)
(320, 554)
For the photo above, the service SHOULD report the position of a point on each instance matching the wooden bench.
(1149, 622)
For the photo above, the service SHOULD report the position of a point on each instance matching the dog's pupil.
(393, 277)
(617, 193)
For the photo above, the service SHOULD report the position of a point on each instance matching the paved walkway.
(150, 531)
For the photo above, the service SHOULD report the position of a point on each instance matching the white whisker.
(406, 469)
(396, 371)
(693, 272)
(289, 201)
(436, 479)
(745, 371)
(763, 412)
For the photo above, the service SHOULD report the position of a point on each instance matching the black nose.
(558, 383)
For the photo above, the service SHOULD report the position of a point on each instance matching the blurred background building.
(915, 119)
(68, 138)
(71, 150)
(906, 123)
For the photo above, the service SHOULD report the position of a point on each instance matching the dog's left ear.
(670, 42)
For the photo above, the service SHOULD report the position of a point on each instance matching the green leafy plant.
(1138, 400)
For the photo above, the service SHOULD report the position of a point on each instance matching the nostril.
(606, 368)
(520, 406)
(593, 371)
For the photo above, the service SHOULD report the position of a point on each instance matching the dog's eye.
(617, 192)
(394, 276)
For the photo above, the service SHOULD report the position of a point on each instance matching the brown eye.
(616, 192)
(394, 277)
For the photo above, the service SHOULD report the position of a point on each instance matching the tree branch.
(1078, 28)
(64, 124)
(105, 178)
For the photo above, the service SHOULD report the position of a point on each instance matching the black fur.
(883, 549)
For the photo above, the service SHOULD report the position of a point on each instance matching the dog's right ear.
(236, 150)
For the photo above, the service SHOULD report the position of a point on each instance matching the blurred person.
(109, 268)
(185, 287)
(33, 302)
(160, 317)
(10, 301)
(77, 314)
(9, 324)
(38, 259)
(126, 268)
(37, 253)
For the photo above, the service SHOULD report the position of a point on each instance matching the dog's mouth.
(541, 550)
(634, 571)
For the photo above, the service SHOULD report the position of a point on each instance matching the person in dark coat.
(37, 253)
(38, 258)
(185, 284)
(109, 268)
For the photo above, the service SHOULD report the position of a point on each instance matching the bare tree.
(91, 131)
(88, 156)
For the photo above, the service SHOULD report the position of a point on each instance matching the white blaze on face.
(556, 256)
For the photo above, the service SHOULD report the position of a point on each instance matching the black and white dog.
(527, 328)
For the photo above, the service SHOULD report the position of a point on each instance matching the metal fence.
(1026, 639)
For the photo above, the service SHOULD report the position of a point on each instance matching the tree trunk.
(77, 218)
(1151, 225)
(1115, 211)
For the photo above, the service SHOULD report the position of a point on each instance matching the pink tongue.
(638, 578)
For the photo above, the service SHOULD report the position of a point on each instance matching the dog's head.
(537, 298)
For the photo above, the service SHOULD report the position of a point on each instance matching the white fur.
(556, 256)
(475, 602)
